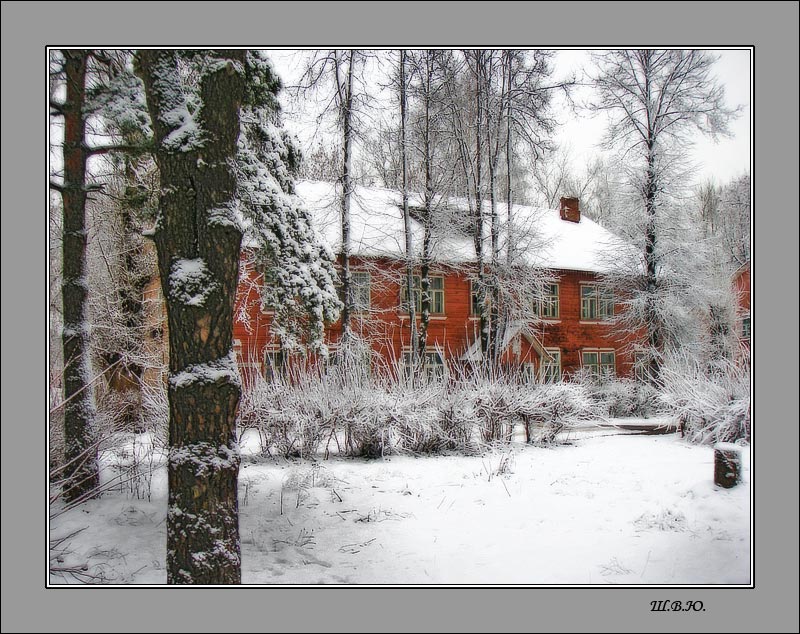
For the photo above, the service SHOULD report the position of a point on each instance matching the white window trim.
(599, 351)
(601, 319)
(539, 305)
(557, 353)
(417, 313)
(429, 350)
(356, 309)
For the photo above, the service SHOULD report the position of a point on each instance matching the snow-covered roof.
(541, 237)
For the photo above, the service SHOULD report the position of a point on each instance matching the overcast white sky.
(721, 160)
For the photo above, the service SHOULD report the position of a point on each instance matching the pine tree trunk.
(81, 474)
(198, 255)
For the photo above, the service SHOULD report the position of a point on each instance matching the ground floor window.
(599, 363)
(356, 360)
(641, 371)
(274, 364)
(551, 366)
(432, 363)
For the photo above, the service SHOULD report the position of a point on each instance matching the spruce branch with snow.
(299, 269)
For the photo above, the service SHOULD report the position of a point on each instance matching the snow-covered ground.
(606, 508)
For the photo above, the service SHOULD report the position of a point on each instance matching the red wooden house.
(741, 285)
(567, 331)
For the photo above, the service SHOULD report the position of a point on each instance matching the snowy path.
(616, 509)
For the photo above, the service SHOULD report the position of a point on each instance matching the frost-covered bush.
(622, 398)
(549, 408)
(494, 406)
(368, 430)
(456, 421)
(286, 423)
(347, 411)
(712, 406)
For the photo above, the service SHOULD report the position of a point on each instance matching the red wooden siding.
(386, 326)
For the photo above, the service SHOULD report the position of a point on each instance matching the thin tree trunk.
(198, 256)
(653, 319)
(485, 317)
(347, 188)
(79, 411)
(412, 309)
(509, 167)
(425, 258)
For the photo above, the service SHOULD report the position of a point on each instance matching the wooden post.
(727, 464)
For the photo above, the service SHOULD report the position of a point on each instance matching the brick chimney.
(570, 210)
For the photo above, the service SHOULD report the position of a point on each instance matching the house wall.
(572, 335)
(741, 285)
(387, 329)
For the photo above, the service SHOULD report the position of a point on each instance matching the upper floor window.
(474, 298)
(436, 292)
(600, 363)
(597, 302)
(361, 291)
(746, 327)
(548, 306)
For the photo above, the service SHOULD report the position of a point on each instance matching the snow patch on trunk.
(190, 281)
(220, 370)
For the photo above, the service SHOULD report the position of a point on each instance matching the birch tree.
(428, 71)
(340, 71)
(656, 100)
(409, 245)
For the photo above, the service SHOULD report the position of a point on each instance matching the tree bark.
(346, 101)
(727, 465)
(198, 257)
(412, 306)
(81, 475)
(425, 256)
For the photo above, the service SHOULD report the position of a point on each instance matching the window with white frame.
(746, 326)
(597, 302)
(599, 363)
(435, 291)
(548, 306)
(551, 366)
(274, 364)
(432, 363)
(361, 288)
(248, 365)
(641, 370)
(474, 300)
